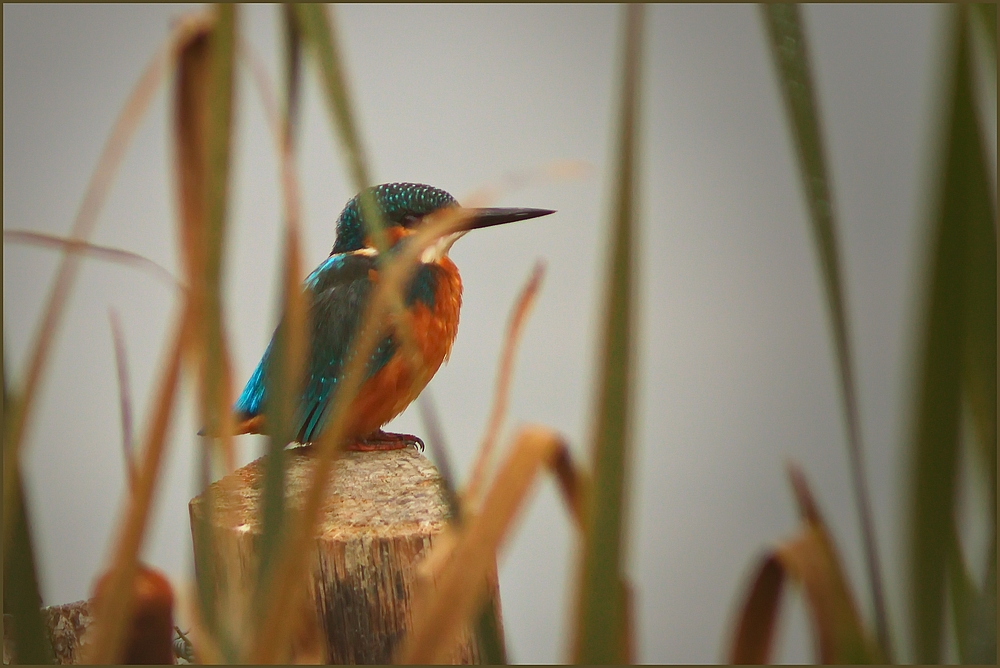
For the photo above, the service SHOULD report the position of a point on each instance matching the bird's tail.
(245, 424)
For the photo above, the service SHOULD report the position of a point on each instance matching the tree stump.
(67, 627)
(379, 519)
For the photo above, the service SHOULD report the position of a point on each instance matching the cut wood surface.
(67, 625)
(381, 514)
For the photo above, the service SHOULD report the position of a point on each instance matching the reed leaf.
(438, 447)
(987, 14)
(599, 629)
(318, 30)
(810, 560)
(960, 298)
(124, 395)
(758, 616)
(979, 377)
(290, 344)
(22, 598)
(501, 396)
(974, 611)
(461, 582)
(106, 253)
(492, 646)
(488, 634)
(218, 100)
(202, 128)
(112, 610)
(791, 58)
(284, 380)
(293, 70)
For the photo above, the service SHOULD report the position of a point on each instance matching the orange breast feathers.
(385, 395)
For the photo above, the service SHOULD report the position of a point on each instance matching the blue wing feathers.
(339, 290)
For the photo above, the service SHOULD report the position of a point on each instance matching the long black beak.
(481, 218)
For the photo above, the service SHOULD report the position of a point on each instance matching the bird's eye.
(409, 220)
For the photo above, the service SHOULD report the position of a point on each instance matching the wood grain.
(380, 517)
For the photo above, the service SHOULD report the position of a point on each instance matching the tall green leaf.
(987, 13)
(293, 70)
(286, 353)
(600, 635)
(974, 612)
(318, 29)
(791, 58)
(284, 375)
(313, 28)
(21, 596)
(979, 374)
(955, 351)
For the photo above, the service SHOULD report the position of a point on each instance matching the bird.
(337, 293)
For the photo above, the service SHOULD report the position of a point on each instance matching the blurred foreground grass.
(956, 372)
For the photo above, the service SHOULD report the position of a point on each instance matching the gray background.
(736, 372)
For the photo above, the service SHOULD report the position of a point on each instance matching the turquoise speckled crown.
(400, 204)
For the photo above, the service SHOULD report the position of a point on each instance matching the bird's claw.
(382, 440)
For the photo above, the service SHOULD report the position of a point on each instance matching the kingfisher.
(337, 293)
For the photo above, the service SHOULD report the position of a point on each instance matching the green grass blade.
(790, 52)
(318, 28)
(987, 14)
(960, 273)
(974, 613)
(286, 354)
(283, 382)
(21, 595)
(980, 362)
(293, 70)
(491, 644)
(601, 608)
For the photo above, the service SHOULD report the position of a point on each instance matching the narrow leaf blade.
(21, 594)
(600, 622)
(810, 560)
(318, 29)
(790, 52)
(758, 615)
(953, 342)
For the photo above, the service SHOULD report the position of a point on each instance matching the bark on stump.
(380, 516)
(67, 627)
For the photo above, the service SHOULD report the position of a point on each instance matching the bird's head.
(405, 206)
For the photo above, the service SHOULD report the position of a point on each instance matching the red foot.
(383, 440)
